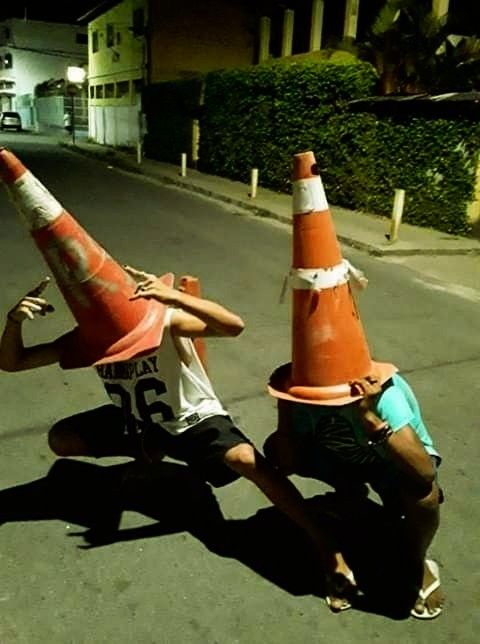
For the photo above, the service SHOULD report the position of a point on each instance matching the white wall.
(50, 110)
(114, 125)
(25, 107)
(41, 51)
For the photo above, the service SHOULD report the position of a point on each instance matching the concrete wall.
(114, 125)
(26, 109)
(40, 51)
(189, 37)
(113, 110)
(121, 61)
(50, 111)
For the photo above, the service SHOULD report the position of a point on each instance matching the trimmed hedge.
(433, 160)
(260, 116)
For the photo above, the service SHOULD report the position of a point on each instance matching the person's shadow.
(94, 497)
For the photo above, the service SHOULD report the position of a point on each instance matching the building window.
(92, 91)
(1, 62)
(8, 61)
(110, 35)
(81, 39)
(119, 37)
(137, 86)
(138, 25)
(99, 91)
(122, 88)
(109, 90)
(94, 41)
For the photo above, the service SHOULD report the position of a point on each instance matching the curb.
(114, 159)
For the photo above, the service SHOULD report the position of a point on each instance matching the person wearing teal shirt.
(380, 440)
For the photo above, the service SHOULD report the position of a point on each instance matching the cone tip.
(304, 166)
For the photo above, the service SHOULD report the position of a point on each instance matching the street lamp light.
(76, 77)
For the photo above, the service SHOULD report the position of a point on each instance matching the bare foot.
(431, 598)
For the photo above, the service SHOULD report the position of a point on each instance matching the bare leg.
(422, 521)
(67, 443)
(96, 432)
(249, 463)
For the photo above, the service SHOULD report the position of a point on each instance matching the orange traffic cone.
(111, 327)
(191, 285)
(329, 348)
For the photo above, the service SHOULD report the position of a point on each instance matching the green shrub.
(433, 160)
(260, 116)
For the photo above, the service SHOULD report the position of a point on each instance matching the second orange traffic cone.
(191, 285)
(111, 327)
(329, 348)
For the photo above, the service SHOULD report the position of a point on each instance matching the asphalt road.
(241, 574)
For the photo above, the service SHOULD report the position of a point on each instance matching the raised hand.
(154, 288)
(31, 304)
(368, 388)
(138, 276)
(151, 286)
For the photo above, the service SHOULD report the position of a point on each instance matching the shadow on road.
(94, 497)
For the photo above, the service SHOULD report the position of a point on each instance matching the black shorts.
(202, 446)
(384, 477)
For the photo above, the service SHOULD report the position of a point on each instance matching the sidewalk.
(356, 229)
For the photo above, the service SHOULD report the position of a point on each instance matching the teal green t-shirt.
(399, 407)
(322, 425)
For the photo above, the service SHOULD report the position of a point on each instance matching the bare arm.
(195, 317)
(14, 356)
(403, 446)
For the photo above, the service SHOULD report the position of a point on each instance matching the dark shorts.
(202, 446)
(384, 477)
(334, 456)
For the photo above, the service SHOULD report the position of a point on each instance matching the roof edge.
(97, 10)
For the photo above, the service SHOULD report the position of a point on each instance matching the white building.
(116, 70)
(31, 52)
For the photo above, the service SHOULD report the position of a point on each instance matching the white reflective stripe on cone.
(318, 279)
(33, 201)
(309, 196)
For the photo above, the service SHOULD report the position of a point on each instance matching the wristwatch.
(380, 435)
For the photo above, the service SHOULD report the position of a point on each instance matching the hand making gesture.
(31, 304)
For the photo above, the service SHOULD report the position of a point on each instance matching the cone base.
(78, 350)
(280, 386)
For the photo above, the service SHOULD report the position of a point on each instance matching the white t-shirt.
(161, 388)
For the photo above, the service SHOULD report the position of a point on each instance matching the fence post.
(183, 165)
(397, 212)
(253, 183)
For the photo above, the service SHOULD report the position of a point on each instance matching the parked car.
(10, 120)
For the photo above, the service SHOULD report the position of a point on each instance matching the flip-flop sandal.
(425, 593)
(342, 587)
